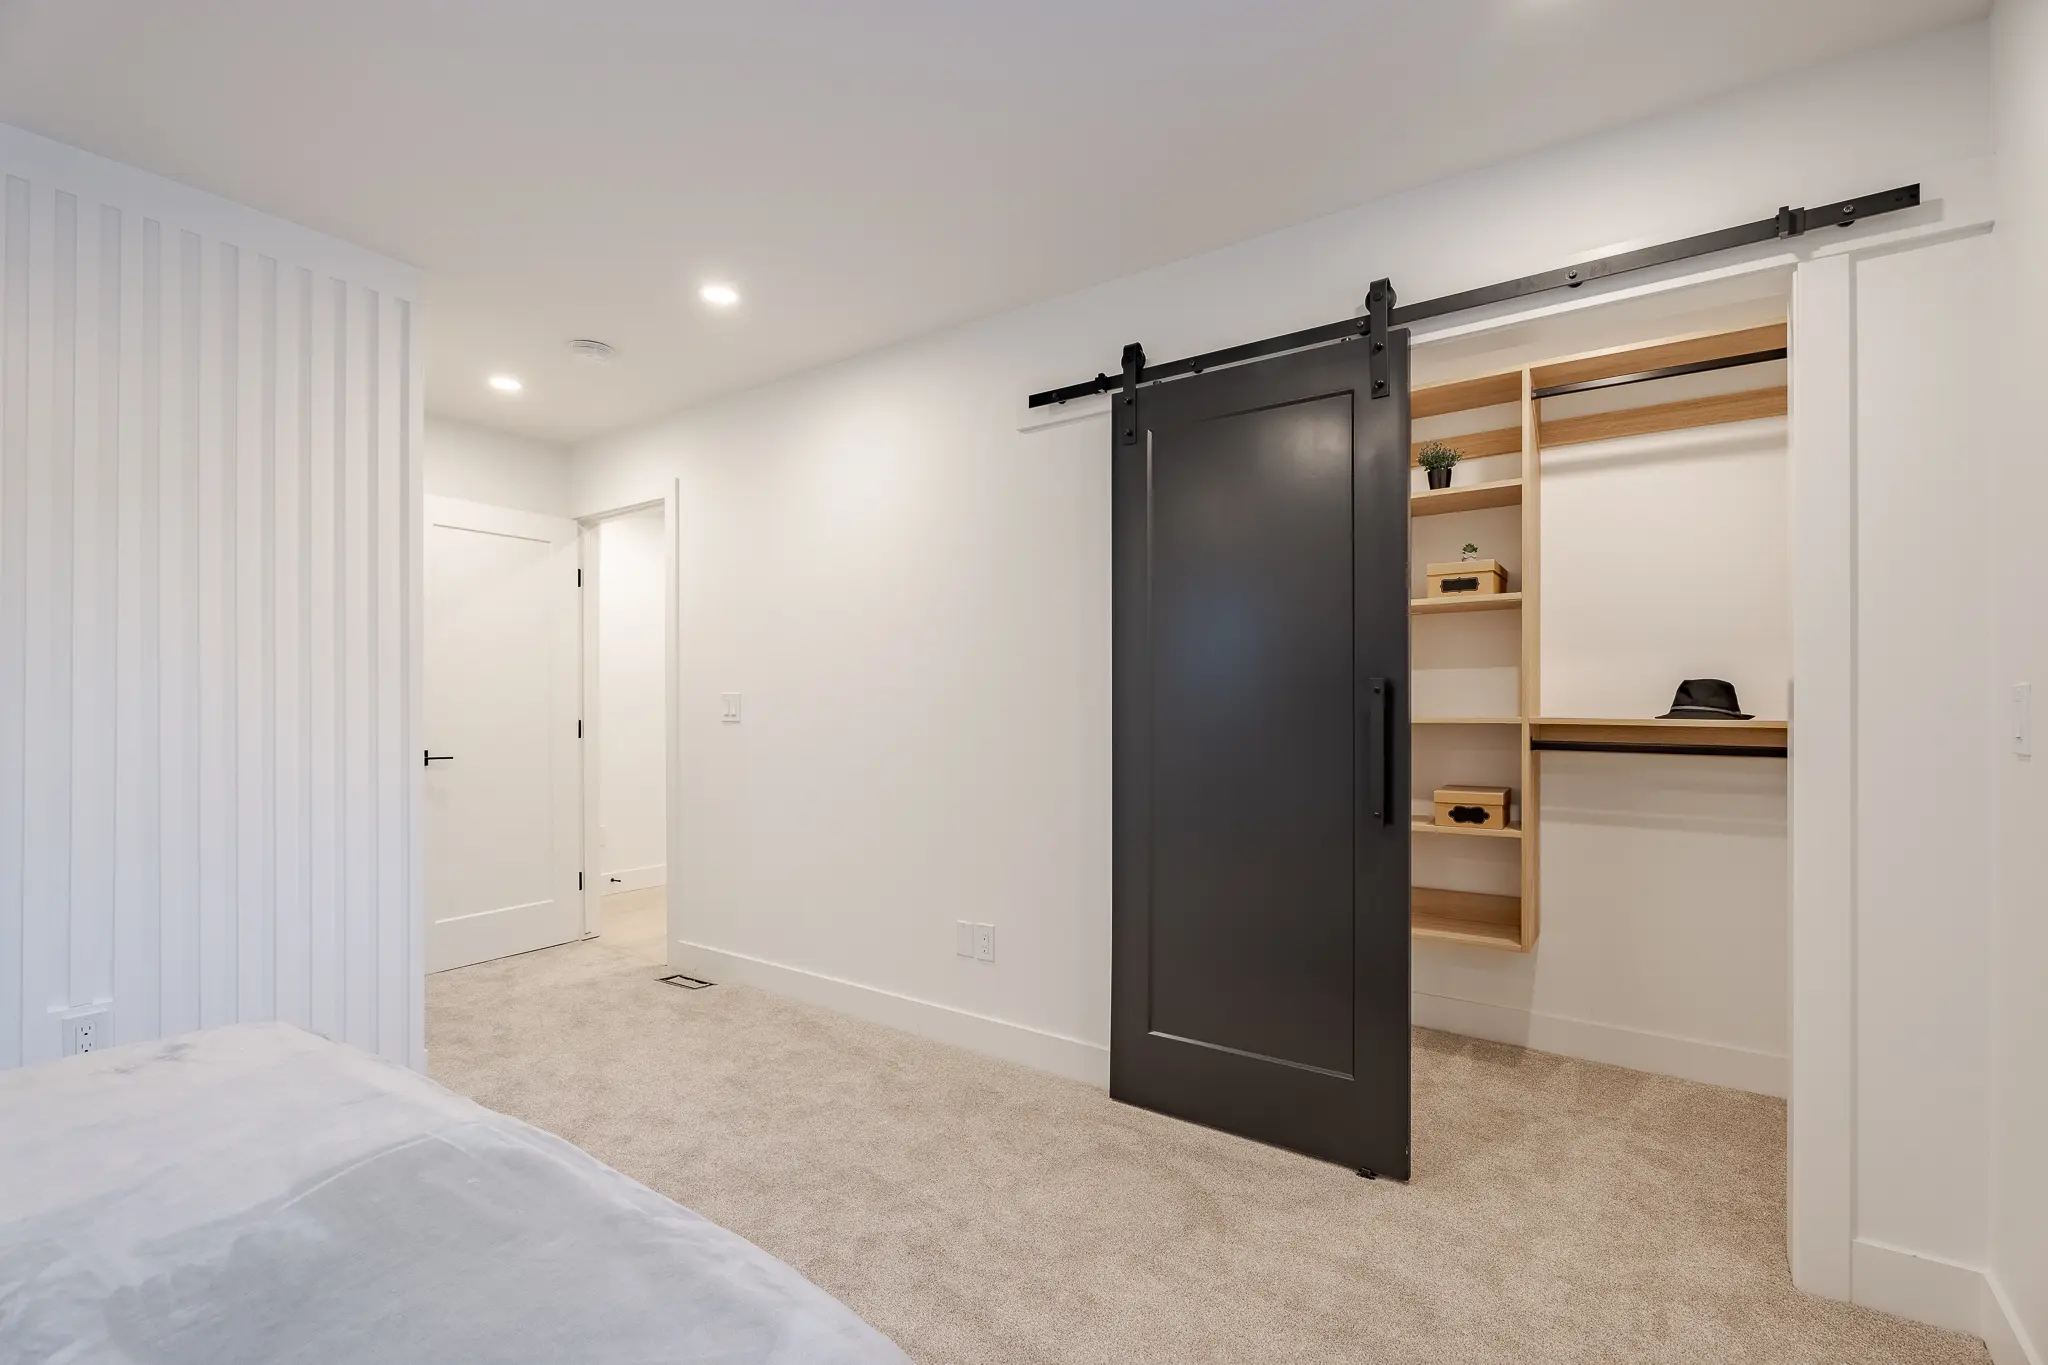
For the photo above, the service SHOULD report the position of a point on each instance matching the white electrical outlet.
(985, 942)
(963, 938)
(731, 701)
(87, 1029)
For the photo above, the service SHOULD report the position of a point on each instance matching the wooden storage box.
(1467, 578)
(1472, 807)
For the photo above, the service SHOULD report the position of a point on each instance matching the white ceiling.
(863, 172)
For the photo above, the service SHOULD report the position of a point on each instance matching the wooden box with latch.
(1472, 807)
(1467, 578)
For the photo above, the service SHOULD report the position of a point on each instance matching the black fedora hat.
(1705, 699)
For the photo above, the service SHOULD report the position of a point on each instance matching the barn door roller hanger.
(1381, 313)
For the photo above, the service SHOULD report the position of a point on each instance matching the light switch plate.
(963, 938)
(731, 703)
(2023, 719)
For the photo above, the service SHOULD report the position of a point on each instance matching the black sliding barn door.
(1260, 980)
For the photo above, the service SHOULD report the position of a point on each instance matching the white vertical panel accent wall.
(209, 492)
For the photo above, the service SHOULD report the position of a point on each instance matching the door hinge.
(579, 729)
(579, 881)
(579, 578)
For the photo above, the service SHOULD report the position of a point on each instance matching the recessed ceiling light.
(719, 295)
(505, 383)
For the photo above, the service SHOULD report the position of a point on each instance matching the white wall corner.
(2000, 1327)
(1073, 1058)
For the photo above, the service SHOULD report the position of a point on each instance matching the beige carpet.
(980, 1212)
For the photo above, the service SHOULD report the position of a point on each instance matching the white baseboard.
(634, 878)
(1926, 1289)
(2001, 1330)
(1070, 1057)
(1665, 1054)
(1941, 1293)
(1712, 1063)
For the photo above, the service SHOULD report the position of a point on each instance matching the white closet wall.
(209, 424)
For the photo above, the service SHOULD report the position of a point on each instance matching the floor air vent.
(688, 983)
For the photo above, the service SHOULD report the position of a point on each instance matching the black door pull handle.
(432, 757)
(1379, 702)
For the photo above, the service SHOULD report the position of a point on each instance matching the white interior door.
(503, 786)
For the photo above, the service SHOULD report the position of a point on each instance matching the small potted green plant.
(1470, 551)
(1436, 459)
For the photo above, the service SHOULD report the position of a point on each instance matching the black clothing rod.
(1593, 746)
(1726, 362)
(1787, 222)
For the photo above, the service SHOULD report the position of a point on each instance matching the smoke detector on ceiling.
(593, 352)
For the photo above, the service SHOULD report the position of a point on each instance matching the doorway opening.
(626, 650)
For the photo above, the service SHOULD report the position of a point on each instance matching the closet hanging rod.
(1726, 362)
(1786, 222)
(1602, 746)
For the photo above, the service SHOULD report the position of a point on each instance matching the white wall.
(2019, 931)
(478, 464)
(913, 593)
(1924, 732)
(209, 611)
(631, 678)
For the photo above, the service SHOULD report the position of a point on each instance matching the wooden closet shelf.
(1471, 498)
(1466, 917)
(1432, 827)
(1658, 355)
(1438, 606)
(1474, 445)
(1747, 405)
(1464, 720)
(1702, 734)
(1488, 391)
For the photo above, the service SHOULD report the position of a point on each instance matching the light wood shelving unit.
(1444, 606)
(1511, 923)
(1717, 734)
(1466, 831)
(1467, 917)
(1471, 498)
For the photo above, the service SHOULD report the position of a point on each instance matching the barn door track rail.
(1381, 313)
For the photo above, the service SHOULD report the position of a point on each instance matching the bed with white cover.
(259, 1194)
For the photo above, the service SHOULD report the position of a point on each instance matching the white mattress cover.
(257, 1193)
